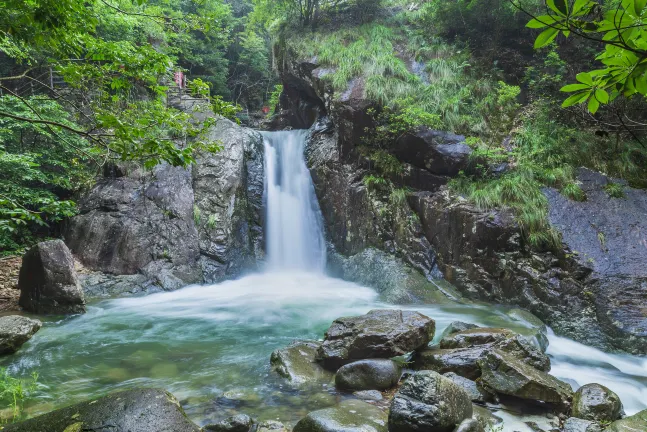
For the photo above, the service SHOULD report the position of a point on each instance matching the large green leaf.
(546, 37)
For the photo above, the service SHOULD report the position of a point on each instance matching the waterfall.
(293, 229)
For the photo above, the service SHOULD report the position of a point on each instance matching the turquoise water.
(210, 346)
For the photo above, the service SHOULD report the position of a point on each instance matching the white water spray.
(294, 230)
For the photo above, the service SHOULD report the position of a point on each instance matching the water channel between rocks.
(210, 345)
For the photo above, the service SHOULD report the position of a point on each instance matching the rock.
(469, 425)
(368, 395)
(15, 330)
(457, 326)
(348, 416)
(370, 374)
(378, 334)
(636, 422)
(139, 410)
(470, 387)
(477, 336)
(462, 361)
(271, 426)
(298, 364)
(427, 401)
(597, 403)
(508, 375)
(573, 424)
(536, 329)
(237, 423)
(48, 282)
(440, 153)
(486, 419)
(523, 349)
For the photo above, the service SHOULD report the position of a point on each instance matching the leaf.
(559, 6)
(602, 96)
(579, 5)
(593, 105)
(575, 99)
(541, 21)
(585, 77)
(641, 85)
(546, 37)
(574, 87)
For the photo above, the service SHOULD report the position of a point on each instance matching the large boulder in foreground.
(461, 361)
(378, 334)
(140, 410)
(297, 363)
(505, 374)
(636, 422)
(348, 416)
(428, 402)
(15, 330)
(597, 403)
(369, 374)
(48, 282)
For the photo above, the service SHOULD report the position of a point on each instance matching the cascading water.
(210, 345)
(294, 230)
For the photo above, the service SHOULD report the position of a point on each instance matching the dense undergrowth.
(420, 68)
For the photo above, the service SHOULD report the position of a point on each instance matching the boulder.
(237, 423)
(370, 374)
(573, 424)
(461, 361)
(348, 416)
(440, 153)
(477, 336)
(298, 364)
(470, 387)
(597, 403)
(457, 326)
(271, 426)
(48, 282)
(535, 329)
(523, 349)
(368, 395)
(636, 422)
(139, 410)
(505, 374)
(15, 330)
(428, 402)
(378, 334)
(486, 418)
(469, 425)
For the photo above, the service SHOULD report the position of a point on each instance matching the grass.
(615, 190)
(13, 392)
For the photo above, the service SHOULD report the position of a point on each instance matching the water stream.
(210, 345)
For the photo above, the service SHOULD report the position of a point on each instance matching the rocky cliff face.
(594, 290)
(174, 226)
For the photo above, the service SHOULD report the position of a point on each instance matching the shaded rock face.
(597, 403)
(48, 282)
(348, 416)
(298, 364)
(237, 423)
(440, 153)
(378, 334)
(470, 387)
(141, 410)
(573, 424)
(636, 422)
(427, 401)
(177, 226)
(15, 330)
(505, 374)
(370, 374)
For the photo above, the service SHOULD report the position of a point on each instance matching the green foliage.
(373, 182)
(274, 99)
(619, 28)
(13, 392)
(573, 191)
(615, 190)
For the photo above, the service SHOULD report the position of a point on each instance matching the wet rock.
(48, 282)
(271, 426)
(15, 330)
(523, 349)
(348, 416)
(469, 425)
(378, 334)
(139, 410)
(484, 416)
(427, 401)
(370, 374)
(536, 329)
(597, 403)
(298, 364)
(440, 153)
(457, 326)
(470, 387)
(636, 422)
(237, 423)
(368, 395)
(507, 375)
(573, 424)
(462, 361)
(477, 336)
